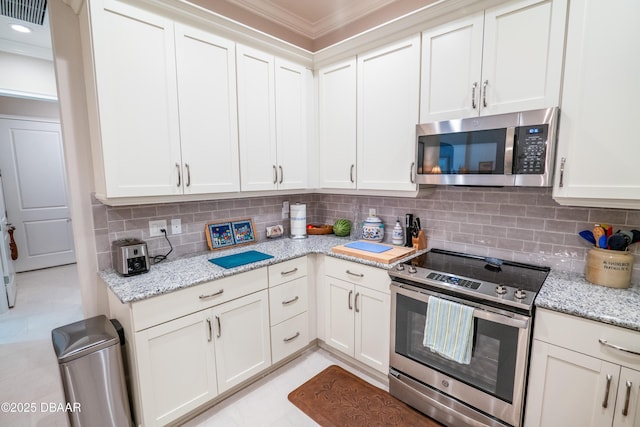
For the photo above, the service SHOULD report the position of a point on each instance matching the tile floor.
(29, 370)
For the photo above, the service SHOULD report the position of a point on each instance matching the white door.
(339, 327)
(7, 274)
(388, 90)
(242, 340)
(567, 388)
(206, 67)
(628, 403)
(33, 172)
(372, 328)
(337, 124)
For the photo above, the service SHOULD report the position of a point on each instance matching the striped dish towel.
(449, 330)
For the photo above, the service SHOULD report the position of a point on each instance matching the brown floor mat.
(336, 397)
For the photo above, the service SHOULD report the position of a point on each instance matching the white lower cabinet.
(176, 369)
(187, 362)
(575, 380)
(358, 312)
(241, 335)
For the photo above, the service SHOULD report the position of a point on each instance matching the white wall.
(28, 77)
(65, 34)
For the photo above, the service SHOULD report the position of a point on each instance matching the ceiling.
(309, 24)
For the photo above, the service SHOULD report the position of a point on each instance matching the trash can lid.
(80, 338)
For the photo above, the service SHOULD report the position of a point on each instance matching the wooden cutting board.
(387, 257)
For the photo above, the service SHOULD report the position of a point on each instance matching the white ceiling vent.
(25, 10)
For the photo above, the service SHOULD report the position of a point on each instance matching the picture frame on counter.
(227, 234)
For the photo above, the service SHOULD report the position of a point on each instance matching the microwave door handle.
(509, 145)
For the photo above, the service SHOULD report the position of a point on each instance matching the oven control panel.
(453, 280)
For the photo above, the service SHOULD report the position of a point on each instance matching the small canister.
(373, 229)
(609, 268)
(398, 234)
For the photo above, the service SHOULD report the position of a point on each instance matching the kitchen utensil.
(602, 242)
(588, 236)
(408, 222)
(636, 236)
(619, 241)
(598, 232)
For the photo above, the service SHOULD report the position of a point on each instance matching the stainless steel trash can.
(92, 373)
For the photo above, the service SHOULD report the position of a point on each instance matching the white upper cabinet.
(388, 98)
(596, 163)
(206, 72)
(292, 83)
(163, 105)
(134, 125)
(337, 124)
(272, 112)
(505, 59)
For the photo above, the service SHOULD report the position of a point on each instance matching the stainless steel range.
(488, 389)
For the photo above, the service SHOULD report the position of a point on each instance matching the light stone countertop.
(192, 270)
(570, 293)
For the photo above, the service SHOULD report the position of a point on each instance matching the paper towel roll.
(298, 221)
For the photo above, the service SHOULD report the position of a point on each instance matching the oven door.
(493, 382)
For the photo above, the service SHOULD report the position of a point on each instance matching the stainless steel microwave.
(515, 149)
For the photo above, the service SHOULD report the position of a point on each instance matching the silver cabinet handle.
(275, 174)
(625, 410)
(186, 166)
(297, 334)
(291, 301)
(605, 402)
(351, 173)
(355, 274)
(281, 175)
(284, 273)
(179, 178)
(210, 333)
(219, 327)
(350, 306)
(215, 294)
(617, 347)
(562, 161)
(474, 86)
(356, 302)
(484, 93)
(413, 181)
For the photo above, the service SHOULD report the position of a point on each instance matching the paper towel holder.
(298, 215)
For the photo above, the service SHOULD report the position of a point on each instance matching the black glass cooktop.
(509, 273)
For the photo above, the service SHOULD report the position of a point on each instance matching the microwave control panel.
(530, 149)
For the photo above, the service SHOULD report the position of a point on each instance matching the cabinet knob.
(474, 86)
(484, 93)
(179, 178)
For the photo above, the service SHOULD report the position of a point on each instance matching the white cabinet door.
(597, 151)
(388, 97)
(337, 125)
(340, 315)
(628, 403)
(522, 56)
(451, 69)
(136, 98)
(176, 367)
(242, 341)
(256, 118)
(569, 389)
(206, 73)
(505, 59)
(291, 124)
(372, 314)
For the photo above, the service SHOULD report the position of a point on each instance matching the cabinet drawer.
(583, 335)
(287, 271)
(359, 274)
(288, 300)
(289, 337)
(156, 310)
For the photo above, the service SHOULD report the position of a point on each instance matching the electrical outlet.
(156, 226)
(176, 226)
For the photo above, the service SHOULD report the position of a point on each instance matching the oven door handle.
(423, 295)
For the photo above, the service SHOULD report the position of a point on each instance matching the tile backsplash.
(521, 224)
